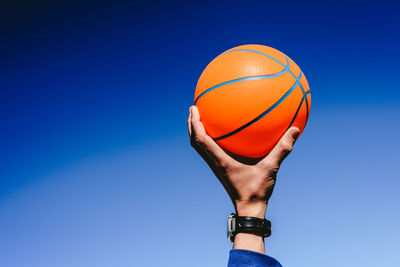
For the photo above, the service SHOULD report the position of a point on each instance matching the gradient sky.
(96, 168)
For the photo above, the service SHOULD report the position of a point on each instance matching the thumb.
(283, 148)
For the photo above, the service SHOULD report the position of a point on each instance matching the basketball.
(248, 97)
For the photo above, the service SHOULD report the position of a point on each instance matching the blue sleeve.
(247, 258)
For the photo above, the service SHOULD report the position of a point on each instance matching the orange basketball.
(249, 96)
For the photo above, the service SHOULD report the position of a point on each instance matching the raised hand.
(249, 185)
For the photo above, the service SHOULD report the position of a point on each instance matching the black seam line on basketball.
(298, 109)
(308, 112)
(249, 78)
(288, 66)
(304, 93)
(280, 100)
(258, 77)
(301, 87)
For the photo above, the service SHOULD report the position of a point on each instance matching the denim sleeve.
(247, 258)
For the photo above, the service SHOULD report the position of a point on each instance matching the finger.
(200, 151)
(214, 169)
(282, 149)
(189, 122)
(200, 138)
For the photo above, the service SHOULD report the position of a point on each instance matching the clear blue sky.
(95, 162)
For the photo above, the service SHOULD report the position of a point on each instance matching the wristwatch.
(244, 224)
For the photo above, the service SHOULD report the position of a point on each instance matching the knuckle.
(226, 163)
(271, 166)
(199, 139)
(286, 146)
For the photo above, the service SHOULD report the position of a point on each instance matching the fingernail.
(294, 132)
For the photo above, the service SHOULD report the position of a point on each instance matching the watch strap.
(253, 225)
(245, 224)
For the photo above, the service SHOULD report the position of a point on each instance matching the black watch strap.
(245, 224)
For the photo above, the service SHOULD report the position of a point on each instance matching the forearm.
(249, 242)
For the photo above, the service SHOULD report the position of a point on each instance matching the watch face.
(231, 227)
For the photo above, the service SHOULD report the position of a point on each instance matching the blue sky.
(96, 164)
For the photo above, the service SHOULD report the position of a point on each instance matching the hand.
(249, 185)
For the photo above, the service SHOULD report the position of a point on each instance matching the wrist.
(251, 209)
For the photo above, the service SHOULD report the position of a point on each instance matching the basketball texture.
(249, 96)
